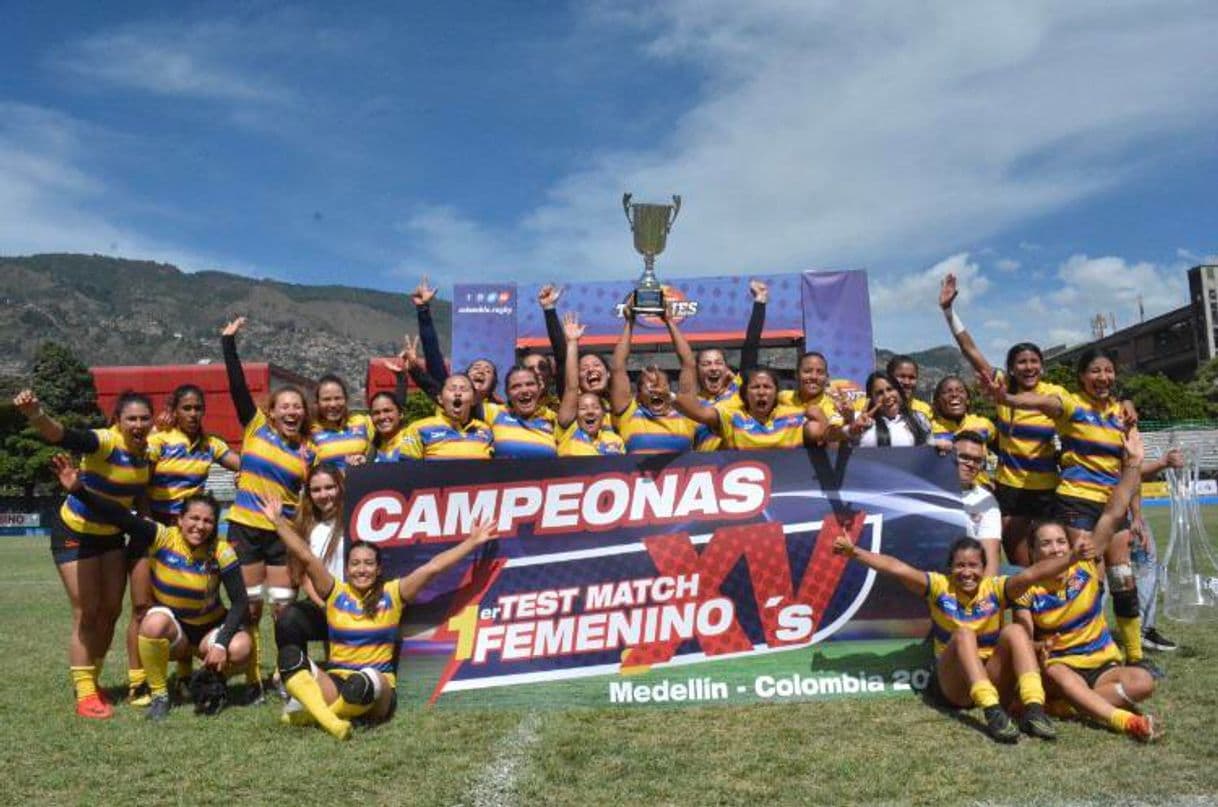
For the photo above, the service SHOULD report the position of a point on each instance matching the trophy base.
(648, 301)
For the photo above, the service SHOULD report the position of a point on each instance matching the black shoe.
(1036, 723)
(1153, 640)
(1155, 671)
(999, 725)
(158, 707)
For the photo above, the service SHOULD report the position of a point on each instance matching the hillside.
(116, 311)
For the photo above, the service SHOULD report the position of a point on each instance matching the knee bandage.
(254, 592)
(281, 595)
(165, 612)
(1120, 578)
(292, 659)
(360, 688)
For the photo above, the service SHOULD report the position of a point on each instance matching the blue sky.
(1059, 157)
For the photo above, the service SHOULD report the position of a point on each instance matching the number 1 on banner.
(465, 625)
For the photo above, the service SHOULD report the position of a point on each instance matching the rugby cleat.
(1146, 728)
(158, 707)
(1153, 640)
(140, 696)
(1036, 723)
(94, 708)
(999, 725)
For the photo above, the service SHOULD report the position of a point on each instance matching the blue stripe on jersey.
(1080, 446)
(951, 606)
(364, 638)
(177, 591)
(384, 666)
(1024, 431)
(100, 484)
(1094, 418)
(657, 442)
(1104, 640)
(983, 639)
(259, 466)
(1077, 473)
(1045, 465)
(249, 501)
(513, 450)
(174, 482)
(1096, 607)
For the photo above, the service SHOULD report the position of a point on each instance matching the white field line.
(495, 786)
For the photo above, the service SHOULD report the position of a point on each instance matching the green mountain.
(117, 311)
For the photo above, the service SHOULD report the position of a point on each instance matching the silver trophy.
(650, 225)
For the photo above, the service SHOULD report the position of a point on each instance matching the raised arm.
(422, 297)
(751, 348)
(1045, 569)
(1122, 494)
(548, 298)
(319, 576)
(913, 579)
(619, 379)
(569, 404)
(947, 296)
(107, 510)
(410, 585)
(238, 390)
(687, 402)
(82, 441)
(1172, 458)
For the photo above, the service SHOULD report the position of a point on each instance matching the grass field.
(890, 749)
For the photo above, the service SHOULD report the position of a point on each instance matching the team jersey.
(982, 614)
(439, 438)
(335, 445)
(704, 438)
(521, 438)
(790, 397)
(1092, 446)
(389, 450)
(1027, 457)
(944, 429)
(358, 640)
(646, 433)
(186, 579)
(115, 471)
(180, 467)
(573, 441)
(1069, 617)
(743, 432)
(269, 465)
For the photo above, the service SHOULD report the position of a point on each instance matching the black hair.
(882, 437)
(385, 394)
(896, 361)
(494, 375)
(180, 392)
(812, 354)
(372, 599)
(205, 497)
(747, 376)
(1089, 355)
(934, 399)
(522, 368)
(126, 398)
(1034, 530)
(1016, 349)
(964, 544)
(331, 378)
(968, 436)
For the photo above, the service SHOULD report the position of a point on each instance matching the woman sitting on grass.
(188, 563)
(363, 616)
(1082, 662)
(976, 659)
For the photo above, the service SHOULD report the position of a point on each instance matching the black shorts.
(253, 545)
(69, 546)
(301, 622)
(1092, 676)
(1025, 502)
(195, 633)
(1082, 514)
(137, 548)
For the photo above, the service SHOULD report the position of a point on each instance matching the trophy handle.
(676, 208)
(626, 208)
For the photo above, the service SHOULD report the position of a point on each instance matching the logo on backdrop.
(679, 309)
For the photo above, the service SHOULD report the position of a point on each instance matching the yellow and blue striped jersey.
(573, 441)
(945, 429)
(439, 438)
(358, 640)
(186, 579)
(982, 614)
(179, 467)
(115, 471)
(646, 433)
(1027, 457)
(790, 397)
(1068, 615)
(269, 464)
(1092, 445)
(389, 449)
(520, 438)
(335, 445)
(743, 432)
(704, 438)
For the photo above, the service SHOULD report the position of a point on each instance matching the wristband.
(953, 321)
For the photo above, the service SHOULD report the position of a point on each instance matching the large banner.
(692, 578)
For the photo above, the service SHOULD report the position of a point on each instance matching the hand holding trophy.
(650, 224)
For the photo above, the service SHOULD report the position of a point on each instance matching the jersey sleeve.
(1000, 590)
(107, 439)
(219, 448)
(1070, 403)
(256, 422)
(394, 589)
(226, 557)
(409, 444)
(936, 584)
(160, 540)
(156, 444)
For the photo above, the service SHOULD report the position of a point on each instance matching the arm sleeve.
(111, 511)
(400, 388)
(425, 382)
(558, 344)
(80, 441)
(431, 346)
(237, 388)
(238, 604)
(751, 349)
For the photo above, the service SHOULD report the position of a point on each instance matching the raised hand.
(1135, 448)
(842, 545)
(1174, 457)
(948, 291)
(993, 388)
(271, 506)
(548, 295)
(233, 327)
(411, 351)
(1129, 415)
(66, 471)
(760, 291)
(864, 421)
(27, 403)
(571, 327)
(483, 531)
(422, 294)
(163, 421)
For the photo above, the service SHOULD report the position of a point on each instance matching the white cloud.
(1007, 265)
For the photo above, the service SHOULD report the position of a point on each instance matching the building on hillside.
(1175, 343)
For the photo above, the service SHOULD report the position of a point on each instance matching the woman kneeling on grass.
(976, 658)
(363, 617)
(1082, 661)
(188, 563)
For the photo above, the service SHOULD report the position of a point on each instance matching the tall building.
(1203, 298)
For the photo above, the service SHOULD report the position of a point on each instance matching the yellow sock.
(347, 710)
(1130, 629)
(135, 677)
(1031, 690)
(185, 668)
(305, 689)
(1119, 720)
(253, 670)
(984, 694)
(83, 681)
(154, 654)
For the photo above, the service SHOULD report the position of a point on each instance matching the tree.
(1157, 397)
(417, 407)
